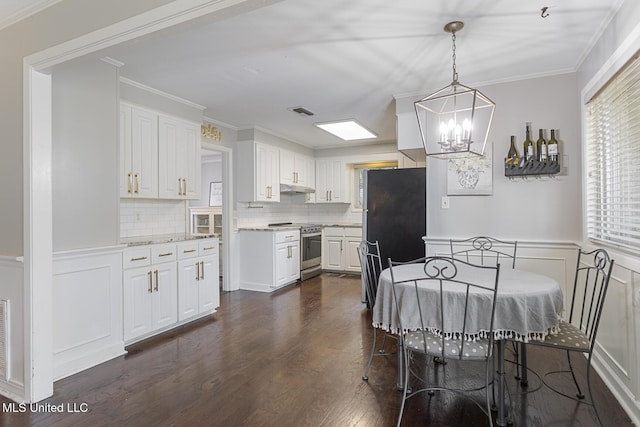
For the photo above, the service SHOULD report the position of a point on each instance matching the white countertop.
(161, 238)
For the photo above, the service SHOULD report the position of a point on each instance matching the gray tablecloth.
(528, 305)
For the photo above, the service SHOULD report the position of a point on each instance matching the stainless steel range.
(310, 251)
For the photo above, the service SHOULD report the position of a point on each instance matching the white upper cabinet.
(296, 169)
(331, 177)
(258, 172)
(178, 159)
(138, 152)
(159, 155)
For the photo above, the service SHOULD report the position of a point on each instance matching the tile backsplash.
(150, 217)
(147, 218)
(291, 209)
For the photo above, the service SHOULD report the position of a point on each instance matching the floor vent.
(4, 326)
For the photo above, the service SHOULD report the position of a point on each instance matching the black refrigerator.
(394, 212)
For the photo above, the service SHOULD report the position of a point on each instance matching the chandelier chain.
(453, 56)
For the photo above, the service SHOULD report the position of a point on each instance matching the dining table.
(528, 307)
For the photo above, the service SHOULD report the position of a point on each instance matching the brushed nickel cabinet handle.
(208, 248)
(188, 251)
(202, 266)
(156, 274)
(129, 183)
(184, 189)
(139, 258)
(197, 271)
(150, 288)
(166, 254)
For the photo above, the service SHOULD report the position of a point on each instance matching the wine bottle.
(541, 147)
(528, 153)
(552, 147)
(512, 157)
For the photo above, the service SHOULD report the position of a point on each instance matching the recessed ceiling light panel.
(349, 130)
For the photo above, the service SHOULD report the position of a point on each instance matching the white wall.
(532, 209)
(618, 348)
(85, 155)
(38, 32)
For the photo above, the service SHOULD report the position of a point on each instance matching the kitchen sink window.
(358, 178)
(612, 158)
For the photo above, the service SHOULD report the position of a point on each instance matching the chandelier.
(454, 121)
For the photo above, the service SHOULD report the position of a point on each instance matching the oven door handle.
(302, 236)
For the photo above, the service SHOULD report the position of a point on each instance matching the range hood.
(291, 189)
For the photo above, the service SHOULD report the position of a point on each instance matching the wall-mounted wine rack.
(531, 168)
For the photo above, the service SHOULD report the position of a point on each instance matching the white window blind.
(613, 160)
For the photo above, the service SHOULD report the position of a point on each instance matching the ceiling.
(345, 60)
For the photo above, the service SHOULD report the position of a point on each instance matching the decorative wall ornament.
(210, 131)
(471, 176)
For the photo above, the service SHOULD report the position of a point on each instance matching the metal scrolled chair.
(487, 250)
(578, 334)
(371, 267)
(447, 339)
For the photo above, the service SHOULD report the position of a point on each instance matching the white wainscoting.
(617, 353)
(11, 290)
(87, 309)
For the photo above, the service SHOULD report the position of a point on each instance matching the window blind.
(613, 160)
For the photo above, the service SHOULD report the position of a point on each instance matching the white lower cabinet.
(198, 278)
(287, 259)
(150, 290)
(166, 284)
(272, 257)
(340, 249)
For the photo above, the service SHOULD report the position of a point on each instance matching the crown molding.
(161, 93)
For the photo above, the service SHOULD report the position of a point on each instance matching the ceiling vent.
(302, 111)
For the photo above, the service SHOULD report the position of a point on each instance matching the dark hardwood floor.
(291, 358)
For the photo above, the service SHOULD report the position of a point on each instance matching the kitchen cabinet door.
(209, 284)
(139, 152)
(332, 258)
(267, 173)
(150, 299)
(330, 181)
(179, 159)
(165, 295)
(188, 288)
(287, 167)
(260, 177)
(287, 263)
(352, 261)
(138, 288)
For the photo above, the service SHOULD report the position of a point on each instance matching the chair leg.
(365, 377)
(384, 340)
(406, 386)
(489, 371)
(517, 356)
(579, 394)
(593, 402)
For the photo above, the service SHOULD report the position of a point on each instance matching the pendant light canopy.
(454, 121)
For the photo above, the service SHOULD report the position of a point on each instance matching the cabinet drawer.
(208, 247)
(187, 249)
(334, 231)
(136, 257)
(353, 232)
(287, 236)
(163, 253)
